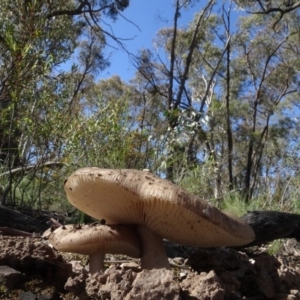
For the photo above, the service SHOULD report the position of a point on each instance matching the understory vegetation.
(213, 106)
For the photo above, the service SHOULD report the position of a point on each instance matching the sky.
(147, 17)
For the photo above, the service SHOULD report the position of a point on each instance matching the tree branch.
(282, 11)
(78, 11)
(31, 167)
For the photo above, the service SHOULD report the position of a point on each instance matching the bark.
(227, 98)
(16, 220)
(272, 225)
(14, 232)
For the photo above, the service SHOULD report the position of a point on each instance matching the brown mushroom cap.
(89, 239)
(96, 241)
(138, 197)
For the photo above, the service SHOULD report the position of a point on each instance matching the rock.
(114, 284)
(27, 296)
(286, 297)
(23, 253)
(154, 284)
(266, 275)
(182, 275)
(295, 292)
(289, 277)
(221, 274)
(112, 269)
(10, 278)
(218, 259)
(46, 297)
(77, 266)
(231, 284)
(203, 286)
(77, 283)
(131, 266)
(178, 260)
(32, 296)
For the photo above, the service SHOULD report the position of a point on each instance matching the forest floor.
(31, 269)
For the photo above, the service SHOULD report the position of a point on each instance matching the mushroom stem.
(96, 262)
(154, 255)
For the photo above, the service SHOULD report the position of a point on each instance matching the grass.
(275, 247)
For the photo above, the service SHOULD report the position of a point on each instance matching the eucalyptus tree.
(50, 52)
(105, 134)
(276, 9)
(229, 93)
(271, 60)
(256, 89)
(122, 127)
(168, 77)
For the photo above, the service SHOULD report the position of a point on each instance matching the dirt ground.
(31, 269)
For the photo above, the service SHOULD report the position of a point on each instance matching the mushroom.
(96, 241)
(159, 208)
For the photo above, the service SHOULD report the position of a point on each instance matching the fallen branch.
(14, 232)
(272, 225)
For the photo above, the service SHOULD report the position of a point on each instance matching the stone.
(27, 296)
(218, 259)
(9, 277)
(154, 284)
(114, 284)
(295, 292)
(266, 275)
(21, 254)
(203, 287)
(76, 284)
(286, 297)
(131, 266)
(77, 266)
(178, 260)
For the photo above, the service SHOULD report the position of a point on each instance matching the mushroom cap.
(124, 196)
(91, 239)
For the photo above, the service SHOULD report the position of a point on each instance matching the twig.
(55, 223)
(30, 167)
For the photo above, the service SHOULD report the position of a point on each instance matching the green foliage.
(275, 247)
(212, 108)
(41, 100)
